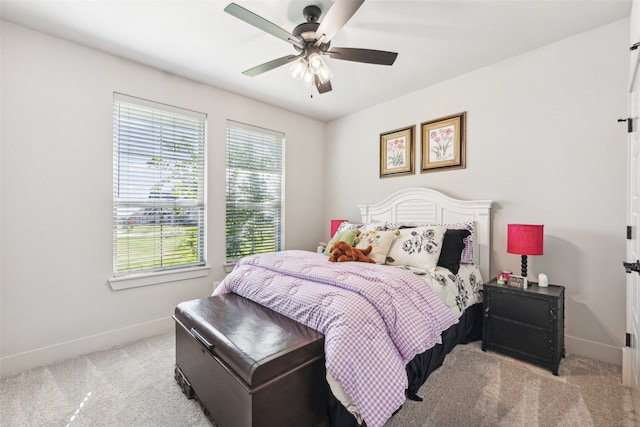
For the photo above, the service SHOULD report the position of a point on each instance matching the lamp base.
(523, 266)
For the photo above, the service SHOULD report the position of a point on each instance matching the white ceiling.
(435, 40)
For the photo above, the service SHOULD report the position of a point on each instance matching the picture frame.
(444, 143)
(519, 282)
(397, 152)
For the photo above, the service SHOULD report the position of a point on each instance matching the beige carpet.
(133, 385)
(474, 388)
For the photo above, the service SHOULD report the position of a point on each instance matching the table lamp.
(525, 239)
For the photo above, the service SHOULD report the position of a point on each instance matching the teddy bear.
(342, 252)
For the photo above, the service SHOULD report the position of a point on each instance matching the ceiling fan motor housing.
(306, 32)
(311, 13)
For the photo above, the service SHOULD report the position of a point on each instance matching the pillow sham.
(349, 235)
(375, 225)
(400, 225)
(452, 247)
(417, 247)
(380, 242)
(467, 253)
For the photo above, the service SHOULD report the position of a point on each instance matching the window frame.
(189, 133)
(257, 134)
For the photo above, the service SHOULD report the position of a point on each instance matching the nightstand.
(527, 324)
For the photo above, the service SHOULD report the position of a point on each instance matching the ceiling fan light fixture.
(315, 62)
(298, 68)
(307, 78)
(319, 68)
(324, 74)
(307, 70)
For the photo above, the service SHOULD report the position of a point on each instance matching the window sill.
(120, 283)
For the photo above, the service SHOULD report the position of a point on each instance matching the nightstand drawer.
(531, 311)
(520, 339)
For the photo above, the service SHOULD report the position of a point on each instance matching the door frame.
(631, 373)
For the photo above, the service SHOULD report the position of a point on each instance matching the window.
(158, 191)
(255, 194)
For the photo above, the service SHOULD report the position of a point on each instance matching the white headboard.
(427, 206)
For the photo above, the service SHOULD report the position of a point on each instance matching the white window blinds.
(255, 193)
(159, 180)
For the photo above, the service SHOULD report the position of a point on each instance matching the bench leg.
(184, 383)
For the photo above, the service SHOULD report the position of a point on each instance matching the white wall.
(542, 143)
(634, 24)
(56, 188)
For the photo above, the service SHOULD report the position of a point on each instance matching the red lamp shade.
(335, 223)
(524, 239)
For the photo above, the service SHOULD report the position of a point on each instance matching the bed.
(387, 327)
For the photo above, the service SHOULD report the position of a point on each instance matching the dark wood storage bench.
(248, 365)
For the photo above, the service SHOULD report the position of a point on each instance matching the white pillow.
(417, 247)
(467, 252)
(380, 242)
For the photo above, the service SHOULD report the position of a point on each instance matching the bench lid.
(257, 343)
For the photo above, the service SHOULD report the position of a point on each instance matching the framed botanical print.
(444, 143)
(396, 152)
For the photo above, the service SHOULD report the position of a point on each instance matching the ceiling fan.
(312, 40)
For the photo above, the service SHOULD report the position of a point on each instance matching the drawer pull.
(202, 340)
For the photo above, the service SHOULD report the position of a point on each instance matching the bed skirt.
(468, 329)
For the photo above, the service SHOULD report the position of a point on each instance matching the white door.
(631, 353)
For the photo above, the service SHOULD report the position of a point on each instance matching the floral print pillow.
(375, 225)
(467, 253)
(380, 242)
(417, 247)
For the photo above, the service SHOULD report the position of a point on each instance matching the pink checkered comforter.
(375, 318)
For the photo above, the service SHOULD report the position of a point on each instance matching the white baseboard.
(593, 350)
(43, 356)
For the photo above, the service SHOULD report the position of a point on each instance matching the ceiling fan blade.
(268, 66)
(323, 87)
(337, 15)
(370, 56)
(262, 24)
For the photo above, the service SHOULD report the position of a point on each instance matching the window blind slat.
(159, 202)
